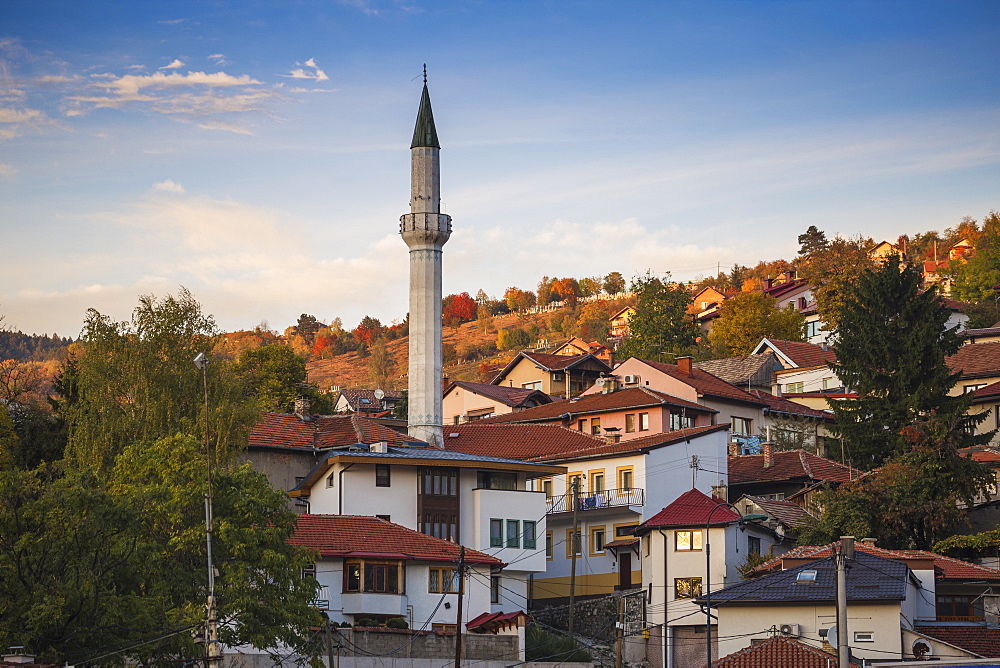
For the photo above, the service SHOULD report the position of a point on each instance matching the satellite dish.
(379, 394)
(831, 636)
(601, 381)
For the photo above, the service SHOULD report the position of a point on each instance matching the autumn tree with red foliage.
(456, 309)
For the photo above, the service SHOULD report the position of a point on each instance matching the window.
(575, 481)
(548, 544)
(624, 530)
(378, 576)
(440, 482)
(687, 587)
(442, 581)
(309, 571)
(812, 329)
(547, 488)
(806, 577)
(629, 423)
(381, 475)
(643, 421)
(496, 533)
(625, 478)
(534, 385)
(795, 388)
(741, 426)
(513, 533)
(969, 389)
(330, 479)
(496, 480)
(495, 588)
(597, 539)
(959, 608)
(753, 545)
(387, 518)
(595, 426)
(864, 636)
(828, 383)
(678, 421)
(687, 541)
(582, 425)
(528, 535)
(596, 483)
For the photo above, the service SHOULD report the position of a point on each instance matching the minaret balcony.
(425, 228)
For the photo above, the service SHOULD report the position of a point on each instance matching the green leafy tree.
(274, 376)
(508, 339)
(135, 382)
(833, 270)
(660, 328)
(747, 317)
(30, 436)
(891, 350)
(976, 280)
(381, 365)
(614, 283)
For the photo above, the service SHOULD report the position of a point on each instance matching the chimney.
(302, 408)
(684, 365)
(768, 283)
(790, 275)
(720, 492)
(612, 435)
(768, 450)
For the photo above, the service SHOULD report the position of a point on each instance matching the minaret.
(425, 230)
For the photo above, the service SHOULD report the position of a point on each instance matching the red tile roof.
(788, 465)
(979, 640)
(946, 568)
(354, 397)
(287, 430)
(982, 453)
(553, 443)
(803, 355)
(977, 360)
(779, 652)
(706, 384)
(358, 535)
(619, 400)
(692, 508)
(623, 542)
(514, 397)
(782, 405)
(991, 391)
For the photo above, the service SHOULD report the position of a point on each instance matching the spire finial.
(425, 74)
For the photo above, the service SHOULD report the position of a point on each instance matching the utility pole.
(458, 622)
(619, 631)
(574, 543)
(329, 644)
(842, 556)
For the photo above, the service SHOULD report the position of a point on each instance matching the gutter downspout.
(340, 488)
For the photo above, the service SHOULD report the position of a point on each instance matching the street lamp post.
(752, 517)
(211, 614)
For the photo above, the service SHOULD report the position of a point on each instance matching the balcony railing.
(322, 600)
(609, 498)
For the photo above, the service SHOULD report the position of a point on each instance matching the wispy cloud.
(175, 64)
(218, 59)
(298, 73)
(7, 170)
(172, 22)
(168, 186)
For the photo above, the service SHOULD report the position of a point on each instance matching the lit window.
(687, 587)
(643, 421)
(685, 541)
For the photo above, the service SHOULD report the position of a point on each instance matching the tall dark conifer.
(891, 350)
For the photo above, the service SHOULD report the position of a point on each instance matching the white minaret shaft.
(425, 230)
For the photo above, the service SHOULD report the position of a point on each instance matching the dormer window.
(806, 577)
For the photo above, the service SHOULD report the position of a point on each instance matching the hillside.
(350, 370)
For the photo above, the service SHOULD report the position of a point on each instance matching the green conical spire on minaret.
(424, 133)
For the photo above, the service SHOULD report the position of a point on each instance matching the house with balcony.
(623, 414)
(563, 375)
(466, 401)
(619, 328)
(616, 482)
(694, 537)
(484, 503)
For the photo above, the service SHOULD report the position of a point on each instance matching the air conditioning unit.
(631, 379)
(791, 630)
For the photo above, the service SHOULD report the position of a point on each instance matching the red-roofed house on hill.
(673, 567)
(778, 474)
(562, 375)
(371, 568)
(804, 366)
(465, 401)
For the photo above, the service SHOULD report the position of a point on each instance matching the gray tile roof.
(869, 578)
(740, 371)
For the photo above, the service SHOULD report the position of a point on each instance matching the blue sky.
(257, 152)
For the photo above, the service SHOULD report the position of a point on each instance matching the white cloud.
(227, 127)
(316, 75)
(174, 65)
(168, 186)
(7, 169)
(218, 59)
(173, 22)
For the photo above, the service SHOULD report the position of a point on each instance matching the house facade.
(465, 401)
(563, 375)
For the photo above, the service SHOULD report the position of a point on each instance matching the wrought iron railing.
(608, 498)
(322, 600)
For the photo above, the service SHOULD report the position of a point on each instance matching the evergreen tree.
(661, 328)
(891, 350)
(812, 241)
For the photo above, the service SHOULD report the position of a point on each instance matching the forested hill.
(31, 347)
